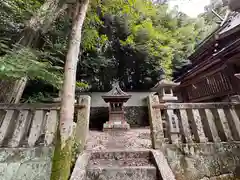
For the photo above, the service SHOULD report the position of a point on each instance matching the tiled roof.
(232, 22)
(231, 25)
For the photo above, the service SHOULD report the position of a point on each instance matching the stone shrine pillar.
(164, 88)
(236, 98)
(116, 99)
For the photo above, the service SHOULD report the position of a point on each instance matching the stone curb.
(79, 171)
(162, 165)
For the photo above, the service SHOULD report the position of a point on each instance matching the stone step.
(121, 165)
(122, 154)
(122, 173)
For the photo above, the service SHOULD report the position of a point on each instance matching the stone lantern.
(164, 88)
(170, 121)
(116, 99)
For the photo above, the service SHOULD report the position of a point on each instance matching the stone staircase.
(121, 155)
(121, 165)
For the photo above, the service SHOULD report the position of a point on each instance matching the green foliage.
(37, 97)
(128, 40)
(141, 37)
(212, 20)
(81, 85)
(27, 62)
(13, 15)
(19, 10)
(15, 61)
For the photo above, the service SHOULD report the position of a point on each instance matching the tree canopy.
(128, 40)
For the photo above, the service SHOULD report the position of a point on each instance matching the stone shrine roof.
(164, 83)
(116, 93)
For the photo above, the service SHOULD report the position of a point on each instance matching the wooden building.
(214, 65)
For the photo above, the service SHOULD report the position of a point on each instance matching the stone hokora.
(116, 98)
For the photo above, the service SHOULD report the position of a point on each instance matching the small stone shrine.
(116, 98)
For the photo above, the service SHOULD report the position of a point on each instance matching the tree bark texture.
(63, 150)
(30, 36)
(68, 93)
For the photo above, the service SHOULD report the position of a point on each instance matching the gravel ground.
(131, 139)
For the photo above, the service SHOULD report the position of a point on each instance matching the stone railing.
(28, 125)
(28, 138)
(173, 123)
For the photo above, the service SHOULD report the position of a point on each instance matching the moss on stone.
(75, 148)
(62, 159)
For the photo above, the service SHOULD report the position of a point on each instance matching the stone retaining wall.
(204, 161)
(16, 163)
(221, 177)
(136, 111)
(27, 138)
(135, 116)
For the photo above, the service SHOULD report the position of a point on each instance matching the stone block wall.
(135, 116)
(98, 116)
(16, 163)
(136, 111)
(216, 161)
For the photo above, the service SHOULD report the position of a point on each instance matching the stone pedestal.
(116, 118)
(116, 125)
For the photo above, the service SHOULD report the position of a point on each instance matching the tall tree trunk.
(63, 152)
(37, 25)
